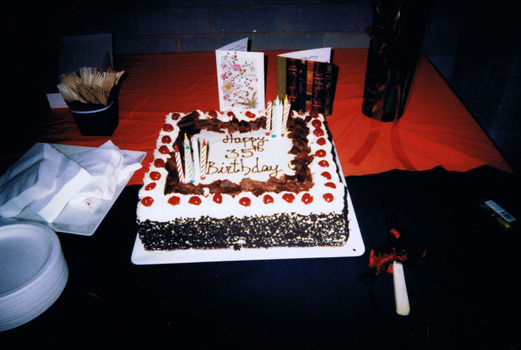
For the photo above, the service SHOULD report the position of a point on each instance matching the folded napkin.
(46, 180)
(108, 165)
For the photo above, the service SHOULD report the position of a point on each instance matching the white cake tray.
(353, 248)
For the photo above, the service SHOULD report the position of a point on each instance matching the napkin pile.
(47, 180)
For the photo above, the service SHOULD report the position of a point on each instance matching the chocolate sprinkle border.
(279, 230)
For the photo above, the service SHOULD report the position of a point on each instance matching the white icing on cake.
(256, 151)
(252, 154)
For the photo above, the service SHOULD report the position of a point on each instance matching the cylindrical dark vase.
(97, 122)
(396, 37)
(97, 119)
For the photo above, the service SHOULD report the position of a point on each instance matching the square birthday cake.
(243, 179)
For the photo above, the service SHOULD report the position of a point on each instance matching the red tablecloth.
(435, 130)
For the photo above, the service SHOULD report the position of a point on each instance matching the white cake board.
(353, 248)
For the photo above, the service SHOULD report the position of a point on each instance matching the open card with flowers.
(240, 77)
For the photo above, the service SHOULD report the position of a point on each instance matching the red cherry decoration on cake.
(289, 197)
(212, 114)
(316, 123)
(318, 132)
(328, 197)
(159, 163)
(323, 163)
(249, 114)
(147, 201)
(166, 139)
(176, 116)
(168, 127)
(307, 198)
(267, 199)
(150, 186)
(245, 201)
(164, 150)
(326, 175)
(320, 153)
(155, 175)
(218, 198)
(330, 184)
(195, 200)
(174, 200)
(321, 141)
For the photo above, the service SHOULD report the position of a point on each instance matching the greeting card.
(240, 77)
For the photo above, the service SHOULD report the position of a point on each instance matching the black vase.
(396, 37)
(97, 119)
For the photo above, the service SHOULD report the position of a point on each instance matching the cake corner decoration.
(224, 180)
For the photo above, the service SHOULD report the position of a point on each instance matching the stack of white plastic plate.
(33, 272)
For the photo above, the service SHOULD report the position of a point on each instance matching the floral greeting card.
(240, 77)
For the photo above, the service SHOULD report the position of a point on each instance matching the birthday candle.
(195, 145)
(276, 118)
(203, 160)
(268, 118)
(285, 116)
(178, 164)
(189, 162)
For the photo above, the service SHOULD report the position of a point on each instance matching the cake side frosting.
(263, 231)
(248, 172)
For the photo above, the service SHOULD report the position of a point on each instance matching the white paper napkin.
(46, 180)
(43, 179)
(108, 166)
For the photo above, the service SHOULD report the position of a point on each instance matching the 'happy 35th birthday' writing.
(243, 158)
